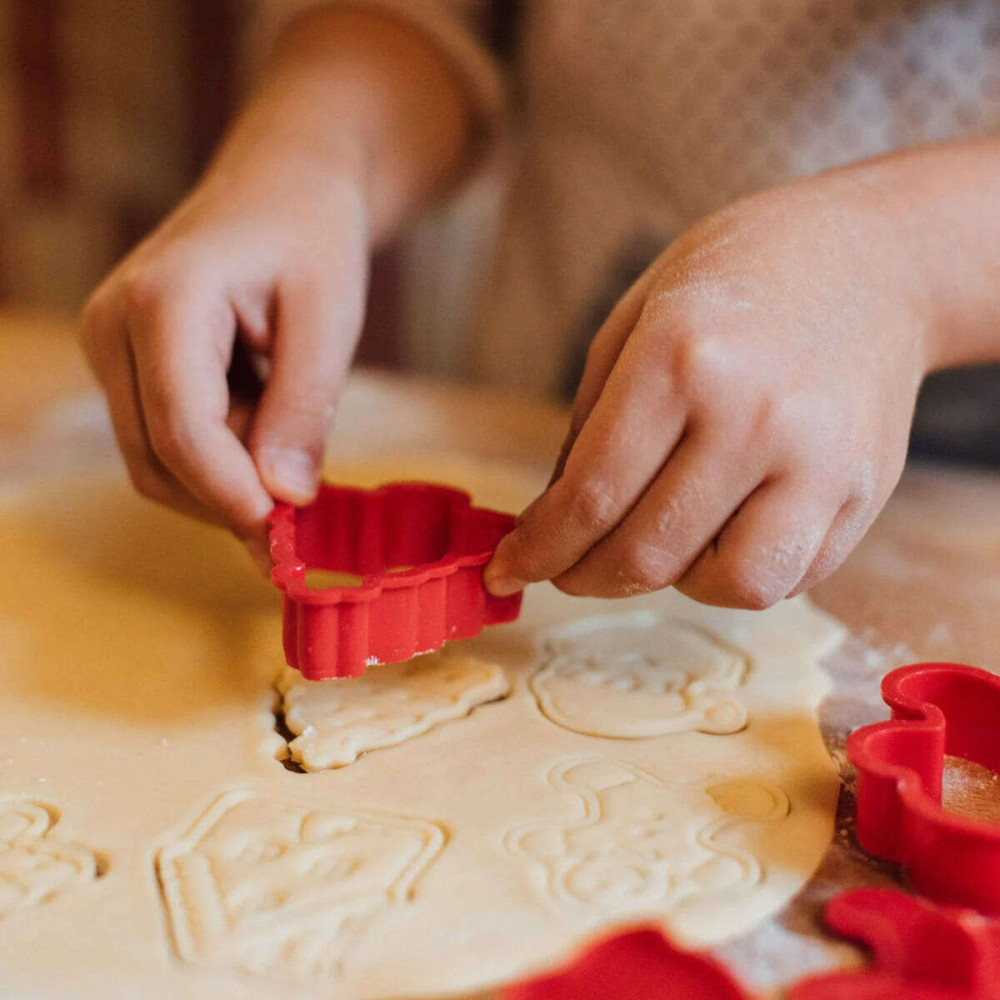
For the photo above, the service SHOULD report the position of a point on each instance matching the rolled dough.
(138, 659)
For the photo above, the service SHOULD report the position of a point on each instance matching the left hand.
(744, 412)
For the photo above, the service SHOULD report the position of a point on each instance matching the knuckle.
(145, 289)
(643, 568)
(169, 434)
(745, 585)
(593, 506)
(697, 361)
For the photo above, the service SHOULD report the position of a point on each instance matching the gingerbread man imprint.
(628, 851)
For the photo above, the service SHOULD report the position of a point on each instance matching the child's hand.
(276, 256)
(358, 120)
(744, 412)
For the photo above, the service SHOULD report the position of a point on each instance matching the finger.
(763, 551)
(701, 487)
(318, 324)
(111, 360)
(625, 441)
(849, 526)
(181, 342)
(601, 357)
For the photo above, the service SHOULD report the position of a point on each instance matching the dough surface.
(139, 655)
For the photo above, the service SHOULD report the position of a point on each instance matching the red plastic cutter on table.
(919, 951)
(636, 964)
(440, 541)
(937, 709)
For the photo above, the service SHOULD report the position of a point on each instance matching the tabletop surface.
(923, 585)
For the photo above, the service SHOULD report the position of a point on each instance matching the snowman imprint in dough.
(640, 675)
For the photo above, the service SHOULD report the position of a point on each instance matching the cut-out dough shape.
(640, 675)
(34, 867)
(628, 853)
(279, 889)
(337, 721)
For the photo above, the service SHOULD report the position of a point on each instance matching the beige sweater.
(636, 117)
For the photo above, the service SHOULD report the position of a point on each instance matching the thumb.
(317, 329)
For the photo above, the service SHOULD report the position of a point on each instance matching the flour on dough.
(137, 658)
(280, 889)
(640, 675)
(636, 845)
(336, 721)
(33, 866)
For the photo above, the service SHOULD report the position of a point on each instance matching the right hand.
(273, 253)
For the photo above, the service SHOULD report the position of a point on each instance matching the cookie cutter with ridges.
(918, 950)
(937, 709)
(419, 550)
(639, 963)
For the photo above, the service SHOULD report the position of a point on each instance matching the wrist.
(360, 98)
(937, 201)
(886, 266)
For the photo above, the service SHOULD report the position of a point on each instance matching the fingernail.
(294, 473)
(261, 555)
(500, 585)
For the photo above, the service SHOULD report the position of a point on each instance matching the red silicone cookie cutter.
(637, 964)
(937, 709)
(433, 531)
(919, 951)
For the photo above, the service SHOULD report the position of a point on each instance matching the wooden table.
(924, 583)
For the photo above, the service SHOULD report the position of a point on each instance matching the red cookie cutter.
(919, 951)
(937, 709)
(434, 531)
(638, 964)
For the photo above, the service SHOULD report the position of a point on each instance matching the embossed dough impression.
(34, 867)
(632, 849)
(280, 889)
(640, 675)
(336, 721)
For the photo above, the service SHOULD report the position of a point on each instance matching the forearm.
(361, 97)
(941, 205)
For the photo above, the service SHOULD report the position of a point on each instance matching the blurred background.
(109, 109)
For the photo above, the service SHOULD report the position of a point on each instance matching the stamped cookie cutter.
(419, 550)
(937, 709)
(919, 951)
